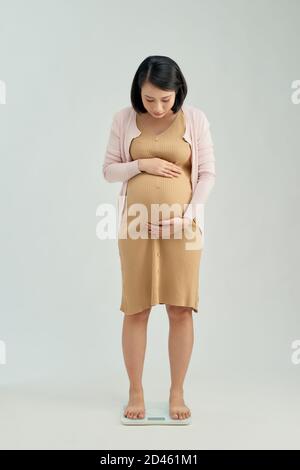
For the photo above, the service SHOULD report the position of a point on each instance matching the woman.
(162, 152)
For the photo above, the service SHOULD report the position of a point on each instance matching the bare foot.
(177, 407)
(136, 405)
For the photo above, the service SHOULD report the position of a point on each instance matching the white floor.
(225, 415)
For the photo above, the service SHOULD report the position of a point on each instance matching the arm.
(206, 174)
(113, 168)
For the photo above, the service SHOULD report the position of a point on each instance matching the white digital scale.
(155, 413)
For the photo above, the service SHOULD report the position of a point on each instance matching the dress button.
(156, 138)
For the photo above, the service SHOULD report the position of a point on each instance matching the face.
(156, 101)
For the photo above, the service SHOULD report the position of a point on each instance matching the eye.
(164, 101)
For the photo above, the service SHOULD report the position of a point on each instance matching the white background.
(68, 66)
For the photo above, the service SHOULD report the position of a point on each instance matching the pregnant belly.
(171, 194)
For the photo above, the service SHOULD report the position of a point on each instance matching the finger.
(167, 173)
(172, 221)
(153, 224)
(177, 169)
(166, 222)
(175, 172)
(174, 167)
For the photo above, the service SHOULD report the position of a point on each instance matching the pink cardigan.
(118, 165)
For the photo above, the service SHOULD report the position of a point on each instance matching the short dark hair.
(162, 72)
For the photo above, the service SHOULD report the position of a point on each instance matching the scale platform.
(157, 413)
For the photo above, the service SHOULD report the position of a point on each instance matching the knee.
(178, 313)
(142, 315)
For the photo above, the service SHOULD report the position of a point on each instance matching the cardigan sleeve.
(113, 169)
(206, 172)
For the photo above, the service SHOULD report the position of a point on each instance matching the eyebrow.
(162, 97)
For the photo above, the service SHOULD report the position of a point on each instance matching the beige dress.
(160, 270)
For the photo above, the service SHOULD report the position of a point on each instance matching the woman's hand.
(176, 225)
(159, 166)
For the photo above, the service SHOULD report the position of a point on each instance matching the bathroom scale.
(156, 413)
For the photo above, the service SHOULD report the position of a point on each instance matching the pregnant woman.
(162, 151)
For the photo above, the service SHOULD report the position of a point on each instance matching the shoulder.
(122, 115)
(198, 118)
(195, 112)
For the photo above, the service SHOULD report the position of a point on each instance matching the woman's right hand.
(159, 166)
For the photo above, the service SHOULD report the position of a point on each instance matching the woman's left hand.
(175, 226)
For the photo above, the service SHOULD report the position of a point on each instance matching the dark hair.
(162, 72)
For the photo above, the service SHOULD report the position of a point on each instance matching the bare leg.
(181, 340)
(134, 339)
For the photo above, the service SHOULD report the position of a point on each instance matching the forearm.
(195, 208)
(206, 175)
(113, 168)
(114, 172)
